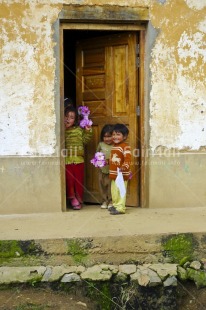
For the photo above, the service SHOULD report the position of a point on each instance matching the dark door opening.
(70, 39)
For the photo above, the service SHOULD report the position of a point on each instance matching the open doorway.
(70, 39)
(101, 71)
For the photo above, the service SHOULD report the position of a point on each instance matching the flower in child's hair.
(99, 160)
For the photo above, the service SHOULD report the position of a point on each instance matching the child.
(75, 139)
(120, 157)
(104, 181)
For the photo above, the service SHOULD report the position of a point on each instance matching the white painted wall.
(177, 103)
(178, 67)
(27, 73)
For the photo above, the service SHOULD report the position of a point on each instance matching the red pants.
(75, 181)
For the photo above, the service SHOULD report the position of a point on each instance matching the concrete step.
(92, 235)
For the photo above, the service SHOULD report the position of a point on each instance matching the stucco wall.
(178, 95)
(177, 105)
(29, 94)
(30, 115)
(27, 76)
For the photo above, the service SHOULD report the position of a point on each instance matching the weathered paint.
(178, 93)
(28, 62)
(196, 5)
(29, 87)
(27, 119)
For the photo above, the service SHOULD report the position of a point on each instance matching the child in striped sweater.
(75, 140)
(120, 160)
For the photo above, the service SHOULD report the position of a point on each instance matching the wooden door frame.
(80, 18)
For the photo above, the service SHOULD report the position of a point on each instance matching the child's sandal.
(77, 207)
(74, 202)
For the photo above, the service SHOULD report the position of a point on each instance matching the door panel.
(106, 79)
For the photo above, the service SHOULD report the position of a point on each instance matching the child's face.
(117, 137)
(107, 138)
(69, 119)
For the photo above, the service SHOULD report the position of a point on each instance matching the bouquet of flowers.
(84, 112)
(99, 160)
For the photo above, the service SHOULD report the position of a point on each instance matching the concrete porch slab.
(137, 236)
(92, 221)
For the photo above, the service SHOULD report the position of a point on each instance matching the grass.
(31, 306)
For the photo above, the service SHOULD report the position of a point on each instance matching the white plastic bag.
(120, 183)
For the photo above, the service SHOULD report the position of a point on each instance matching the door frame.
(72, 19)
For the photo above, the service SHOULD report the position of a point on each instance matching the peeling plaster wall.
(27, 75)
(30, 176)
(29, 94)
(27, 118)
(178, 94)
(177, 105)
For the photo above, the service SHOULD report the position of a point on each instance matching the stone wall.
(150, 286)
(144, 275)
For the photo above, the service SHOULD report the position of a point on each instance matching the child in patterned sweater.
(120, 160)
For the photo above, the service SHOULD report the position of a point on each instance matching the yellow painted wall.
(178, 75)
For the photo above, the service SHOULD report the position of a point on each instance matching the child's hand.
(87, 127)
(66, 125)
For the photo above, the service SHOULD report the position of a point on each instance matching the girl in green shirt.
(75, 140)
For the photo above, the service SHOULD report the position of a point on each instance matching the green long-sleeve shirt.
(75, 140)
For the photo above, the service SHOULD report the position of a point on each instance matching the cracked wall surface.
(27, 119)
(28, 63)
(178, 94)
(175, 101)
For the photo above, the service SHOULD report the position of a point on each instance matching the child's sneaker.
(115, 212)
(109, 206)
(104, 205)
(112, 208)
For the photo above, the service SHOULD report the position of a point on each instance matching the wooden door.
(106, 80)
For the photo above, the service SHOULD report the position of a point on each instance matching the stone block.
(71, 277)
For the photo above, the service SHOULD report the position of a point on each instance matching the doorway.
(101, 71)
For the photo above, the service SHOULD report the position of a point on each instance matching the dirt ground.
(42, 299)
(191, 298)
(29, 298)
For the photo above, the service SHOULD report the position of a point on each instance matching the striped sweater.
(75, 139)
(120, 158)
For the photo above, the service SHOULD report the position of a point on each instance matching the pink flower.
(84, 112)
(99, 160)
(85, 122)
